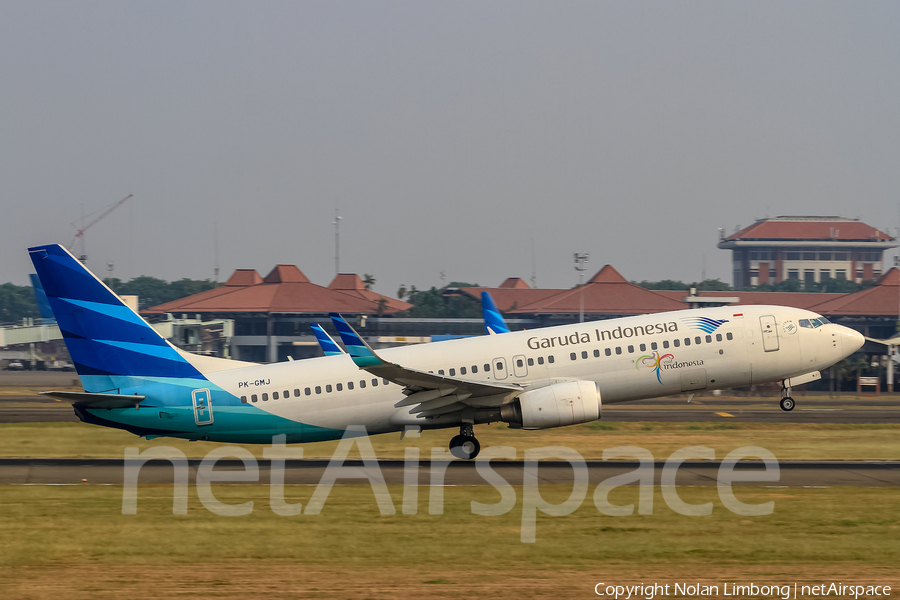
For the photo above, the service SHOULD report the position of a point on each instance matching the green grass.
(84, 524)
(788, 441)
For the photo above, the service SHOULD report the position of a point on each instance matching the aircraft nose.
(851, 340)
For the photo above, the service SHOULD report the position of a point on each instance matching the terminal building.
(809, 249)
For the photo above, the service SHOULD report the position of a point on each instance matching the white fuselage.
(628, 359)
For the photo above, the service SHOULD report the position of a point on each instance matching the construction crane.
(79, 237)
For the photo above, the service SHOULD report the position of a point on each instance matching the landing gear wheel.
(787, 404)
(465, 447)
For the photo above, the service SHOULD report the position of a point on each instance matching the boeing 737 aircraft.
(136, 380)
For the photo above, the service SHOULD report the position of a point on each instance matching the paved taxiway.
(62, 471)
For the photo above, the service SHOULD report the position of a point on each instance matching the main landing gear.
(787, 403)
(465, 445)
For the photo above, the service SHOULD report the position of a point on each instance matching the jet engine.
(556, 405)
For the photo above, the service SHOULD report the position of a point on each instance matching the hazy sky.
(449, 134)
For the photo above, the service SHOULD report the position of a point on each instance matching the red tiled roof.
(607, 292)
(515, 283)
(882, 299)
(351, 284)
(284, 290)
(828, 229)
(346, 281)
(244, 277)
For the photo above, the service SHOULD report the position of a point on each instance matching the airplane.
(135, 380)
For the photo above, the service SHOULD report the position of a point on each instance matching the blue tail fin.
(493, 320)
(329, 347)
(109, 343)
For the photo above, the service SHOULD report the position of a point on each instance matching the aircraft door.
(202, 407)
(769, 333)
(520, 368)
(498, 366)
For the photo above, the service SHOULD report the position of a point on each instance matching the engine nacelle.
(556, 405)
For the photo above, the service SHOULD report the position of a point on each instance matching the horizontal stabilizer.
(90, 400)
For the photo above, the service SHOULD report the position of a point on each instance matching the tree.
(368, 281)
(17, 302)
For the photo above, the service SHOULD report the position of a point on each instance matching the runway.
(67, 471)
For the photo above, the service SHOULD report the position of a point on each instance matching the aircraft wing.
(433, 394)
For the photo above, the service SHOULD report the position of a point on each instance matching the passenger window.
(462, 370)
(385, 381)
(540, 360)
(349, 385)
(307, 391)
(709, 339)
(584, 354)
(596, 354)
(697, 340)
(499, 366)
(550, 359)
(328, 388)
(630, 349)
(618, 349)
(654, 346)
(474, 368)
(665, 343)
(718, 337)
(287, 393)
(374, 383)
(452, 372)
(530, 362)
(440, 371)
(318, 389)
(340, 387)
(728, 336)
(362, 384)
(519, 362)
(265, 397)
(643, 347)
(687, 341)
(573, 356)
(254, 398)
(608, 352)
(676, 342)
(297, 392)
(487, 368)
(274, 395)
(243, 399)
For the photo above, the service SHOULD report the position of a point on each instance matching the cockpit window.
(805, 323)
(816, 322)
(823, 320)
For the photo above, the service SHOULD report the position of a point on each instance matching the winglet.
(493, 320)
(329, 347)
(361, 353)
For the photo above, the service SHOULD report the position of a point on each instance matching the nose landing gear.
(787, 403)
(464, 445)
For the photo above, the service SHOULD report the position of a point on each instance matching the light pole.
(580, 261)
